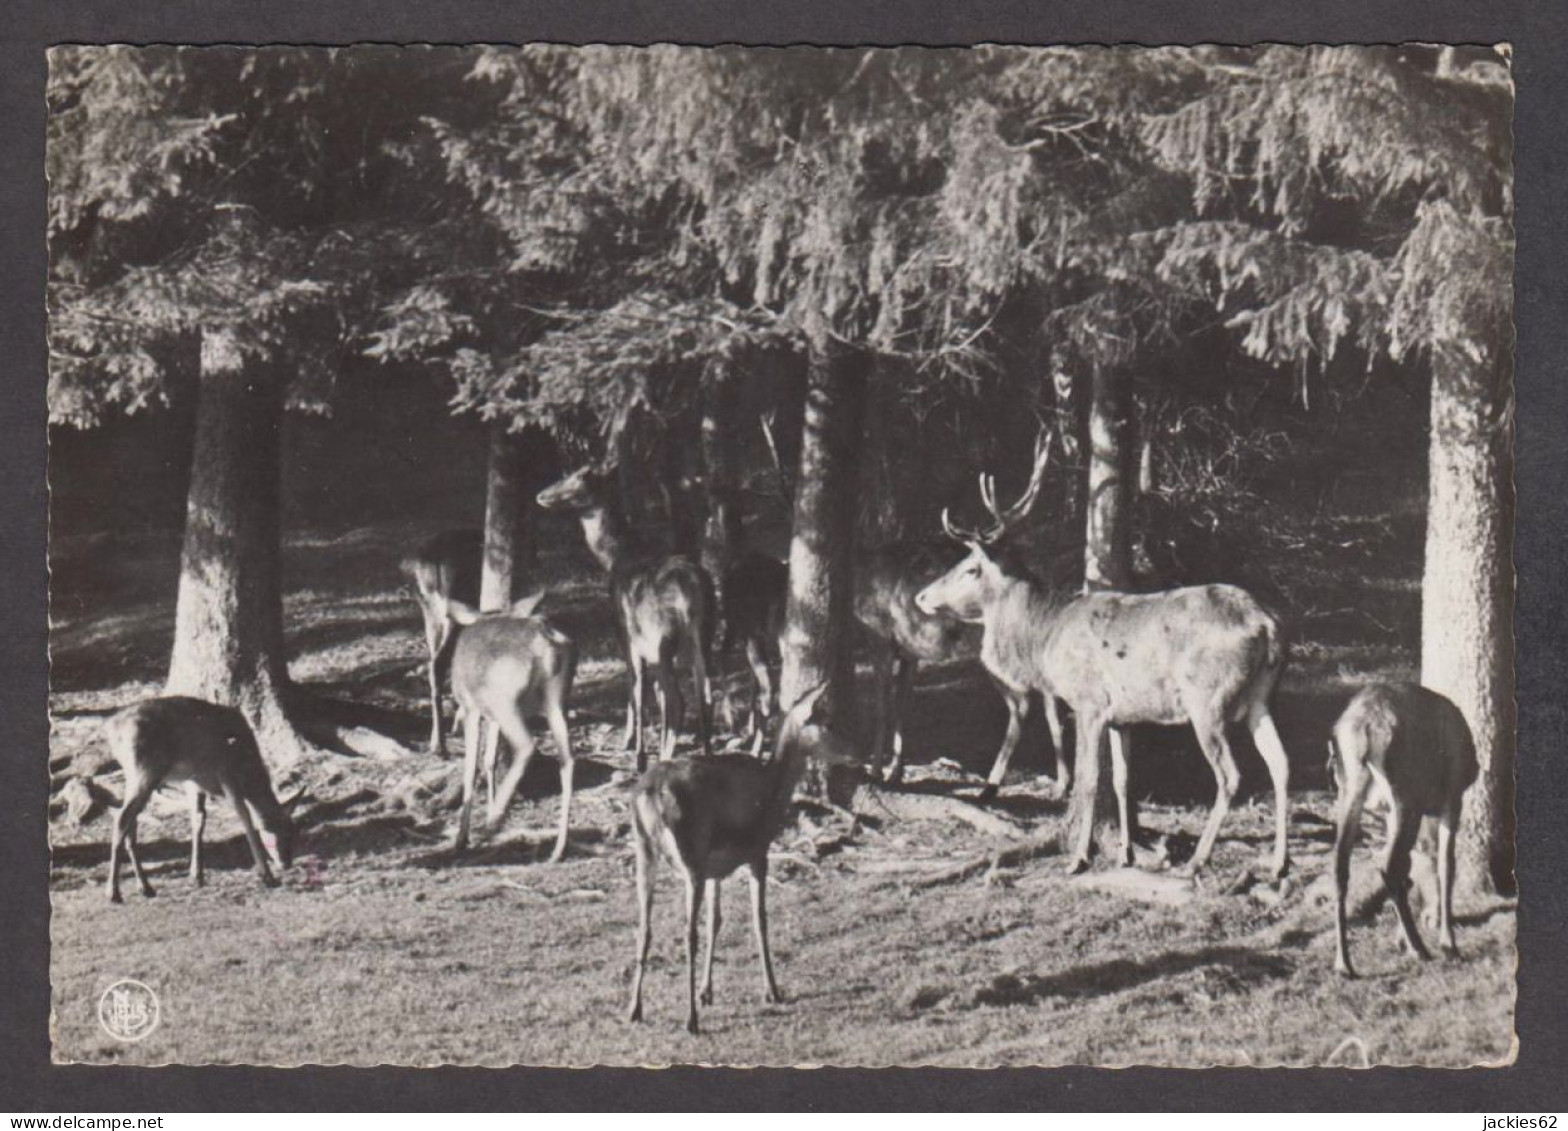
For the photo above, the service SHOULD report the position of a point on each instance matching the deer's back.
(449, 563)
(1157, 657)
(1412, 737)
(177, 738)
(886, 582)
(500, 661)
(718, 808)
(667, 599)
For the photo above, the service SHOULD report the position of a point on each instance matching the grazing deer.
(211, 749)
(1413, 748)
(756, 589)
(444, 569)
(664, 605)
(1206, 655)
(709, 815)
(889, 582)
(506, 667)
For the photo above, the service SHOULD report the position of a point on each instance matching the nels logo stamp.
(128, 1010)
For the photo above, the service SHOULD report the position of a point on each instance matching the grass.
(382, 948)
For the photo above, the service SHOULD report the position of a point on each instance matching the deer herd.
(1206, 656)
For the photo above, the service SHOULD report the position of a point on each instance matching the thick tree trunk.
(818, 636)
(1107, 565)
(506, 526)
(228, 629)
(1467, 596)
(722, 531)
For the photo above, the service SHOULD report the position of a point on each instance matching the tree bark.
(228, 624)
(722, 531)
(1107, 565)
(818, 641)
(1467, 595)
(506, 502)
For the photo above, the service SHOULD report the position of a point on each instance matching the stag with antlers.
(1206, 656)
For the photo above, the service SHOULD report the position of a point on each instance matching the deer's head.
(582, 490)
(974, 584)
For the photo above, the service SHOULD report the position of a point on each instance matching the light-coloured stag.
(444, 569)
(1410, 749)
(1207, 656)
(212, 751)
(507, 667)
(664, 607)
(709, 815)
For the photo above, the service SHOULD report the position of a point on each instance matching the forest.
(1210, 316)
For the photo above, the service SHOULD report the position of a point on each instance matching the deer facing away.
(1207, 656)
(212, 750)
(707, 816)
(664, 607)
(443, 569)
(1412, 750)
(506, 667)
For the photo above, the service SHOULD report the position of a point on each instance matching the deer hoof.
(988, 792)
(706, 997)
(634, 1015)
(1077, 866)
(114, 897)
(691, 1025)
(1342, 968)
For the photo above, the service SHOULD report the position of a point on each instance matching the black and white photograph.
(973, 557)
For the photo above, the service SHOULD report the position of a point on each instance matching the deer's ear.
(525, 606)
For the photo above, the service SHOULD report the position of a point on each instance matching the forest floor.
(381, 947)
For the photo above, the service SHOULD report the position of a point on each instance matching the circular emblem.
(128, 1010)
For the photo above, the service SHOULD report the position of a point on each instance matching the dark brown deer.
(212, 750)
(888, 583)
(1206, 656)
(707, 816)
(446, 568)
(507, 667)
(664, 607)
(755, 592)
(1412, 748)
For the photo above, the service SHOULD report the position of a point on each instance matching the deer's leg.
(706, 996)
(703, 688)
(882, 675)
(523, 747)
(1266, 737)
(1090, 730)
(646, 863)
(125, 833)
(198, 802)
(903, 683)
(258, 854)
(472, 722)
(757, 873)
(1227, 780)
(1119, 783)
(1347, 824)
(1064, 774)
(672, 705)
(762, 701)
(492, 754)
(1017, 711)
(1446, 826)
(437, 629)
(563, 746)
(1404, 825)
(634, 706)
(694, 891)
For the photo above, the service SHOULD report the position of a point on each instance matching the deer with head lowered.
(506, 667)
(664, 606)
(211, 749)
(1207, 656)
(709, 815)
(1412, 749)
(443, 569)
(889, 581)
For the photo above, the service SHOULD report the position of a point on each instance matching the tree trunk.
(686, 533)
(228, 625)
(506, 500)
(1467, 596)
(818, 636)
(722, 532)
(1108, 549)
(1107, 565)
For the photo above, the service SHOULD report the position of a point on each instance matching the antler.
(1002, 520)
